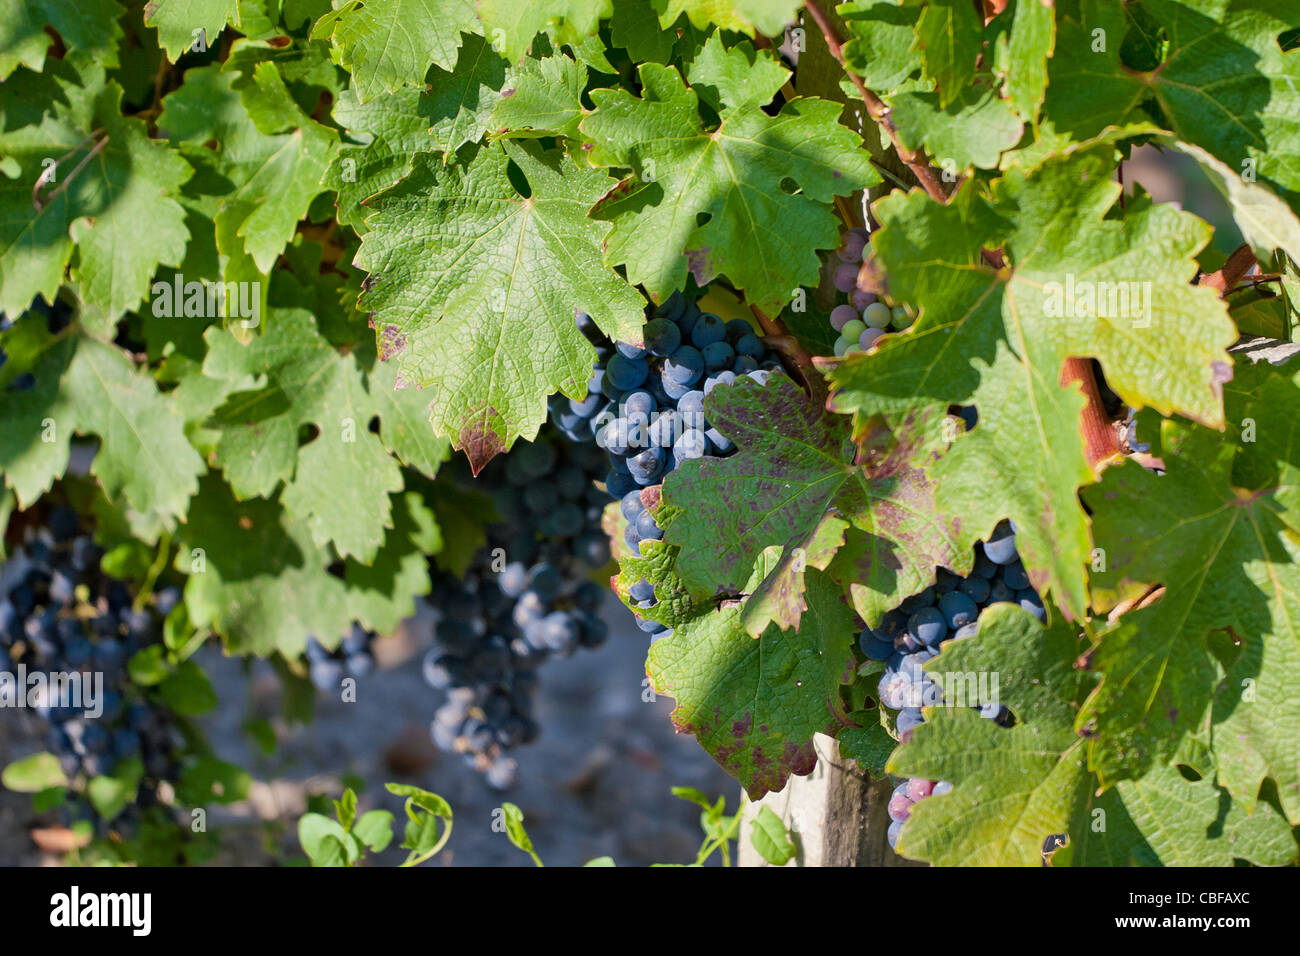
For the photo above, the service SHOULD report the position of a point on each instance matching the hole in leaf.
(1188, 773)
(518, 181)
(1289, 40)
(702, 217)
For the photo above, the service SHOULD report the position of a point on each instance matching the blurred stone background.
(596, 783)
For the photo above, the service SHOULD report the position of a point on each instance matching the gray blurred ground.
(596, 783)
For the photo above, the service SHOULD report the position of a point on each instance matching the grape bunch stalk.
(527, 597)
(61, 614)
(913, 633)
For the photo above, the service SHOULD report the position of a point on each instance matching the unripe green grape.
(876, 315)
(842, 346)
(853, 329)
(901, 317)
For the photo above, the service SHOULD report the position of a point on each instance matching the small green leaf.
(771, 839)
(375, 829)
(188, 691)
(514, 819)
(263, 735)
(314, 830)
(346, 809)
(109, 795)
(149, 666)
(693, 795)
(33, 774)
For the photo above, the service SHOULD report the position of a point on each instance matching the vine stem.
(877, 110)
(1234, 270)
(1099, 440)
(779, 337)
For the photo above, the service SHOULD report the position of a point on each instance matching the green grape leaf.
(1225, 83)
(870, 743)
(473, 289)
(1219, 531)
(751, 17)
(177, 21)
(390, 44)
(89, 26)
(1022, 53)
(109, 178)
(544, 98)
(949, 37)
(1012, 787)
(972, 130)
(86, 386)
(511, 25)
(880, 47)
(340, 481)
(796, 482)
(260, 581)
(755, 703)
(1076, 284)
(635, 27)
(459, 102)
(654, 561)
(387, 132)
(760, 236)
(188, 691)
(1162, 819)
(259, 217)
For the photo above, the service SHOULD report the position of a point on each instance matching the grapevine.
(859, 350)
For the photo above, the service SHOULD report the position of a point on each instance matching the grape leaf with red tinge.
(1075, 284)
(799, 482)
(755, 704)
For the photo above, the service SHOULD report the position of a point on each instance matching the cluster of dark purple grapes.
(352, 658)
(526, 598)
(645, 407)
(912, 634)
(60, 614)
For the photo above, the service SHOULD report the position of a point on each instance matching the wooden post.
(837, 815)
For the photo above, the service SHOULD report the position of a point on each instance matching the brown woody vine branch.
(1099, 439)
(1234, 270)
(877, 110)
(1100, 442)
(796, 358)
